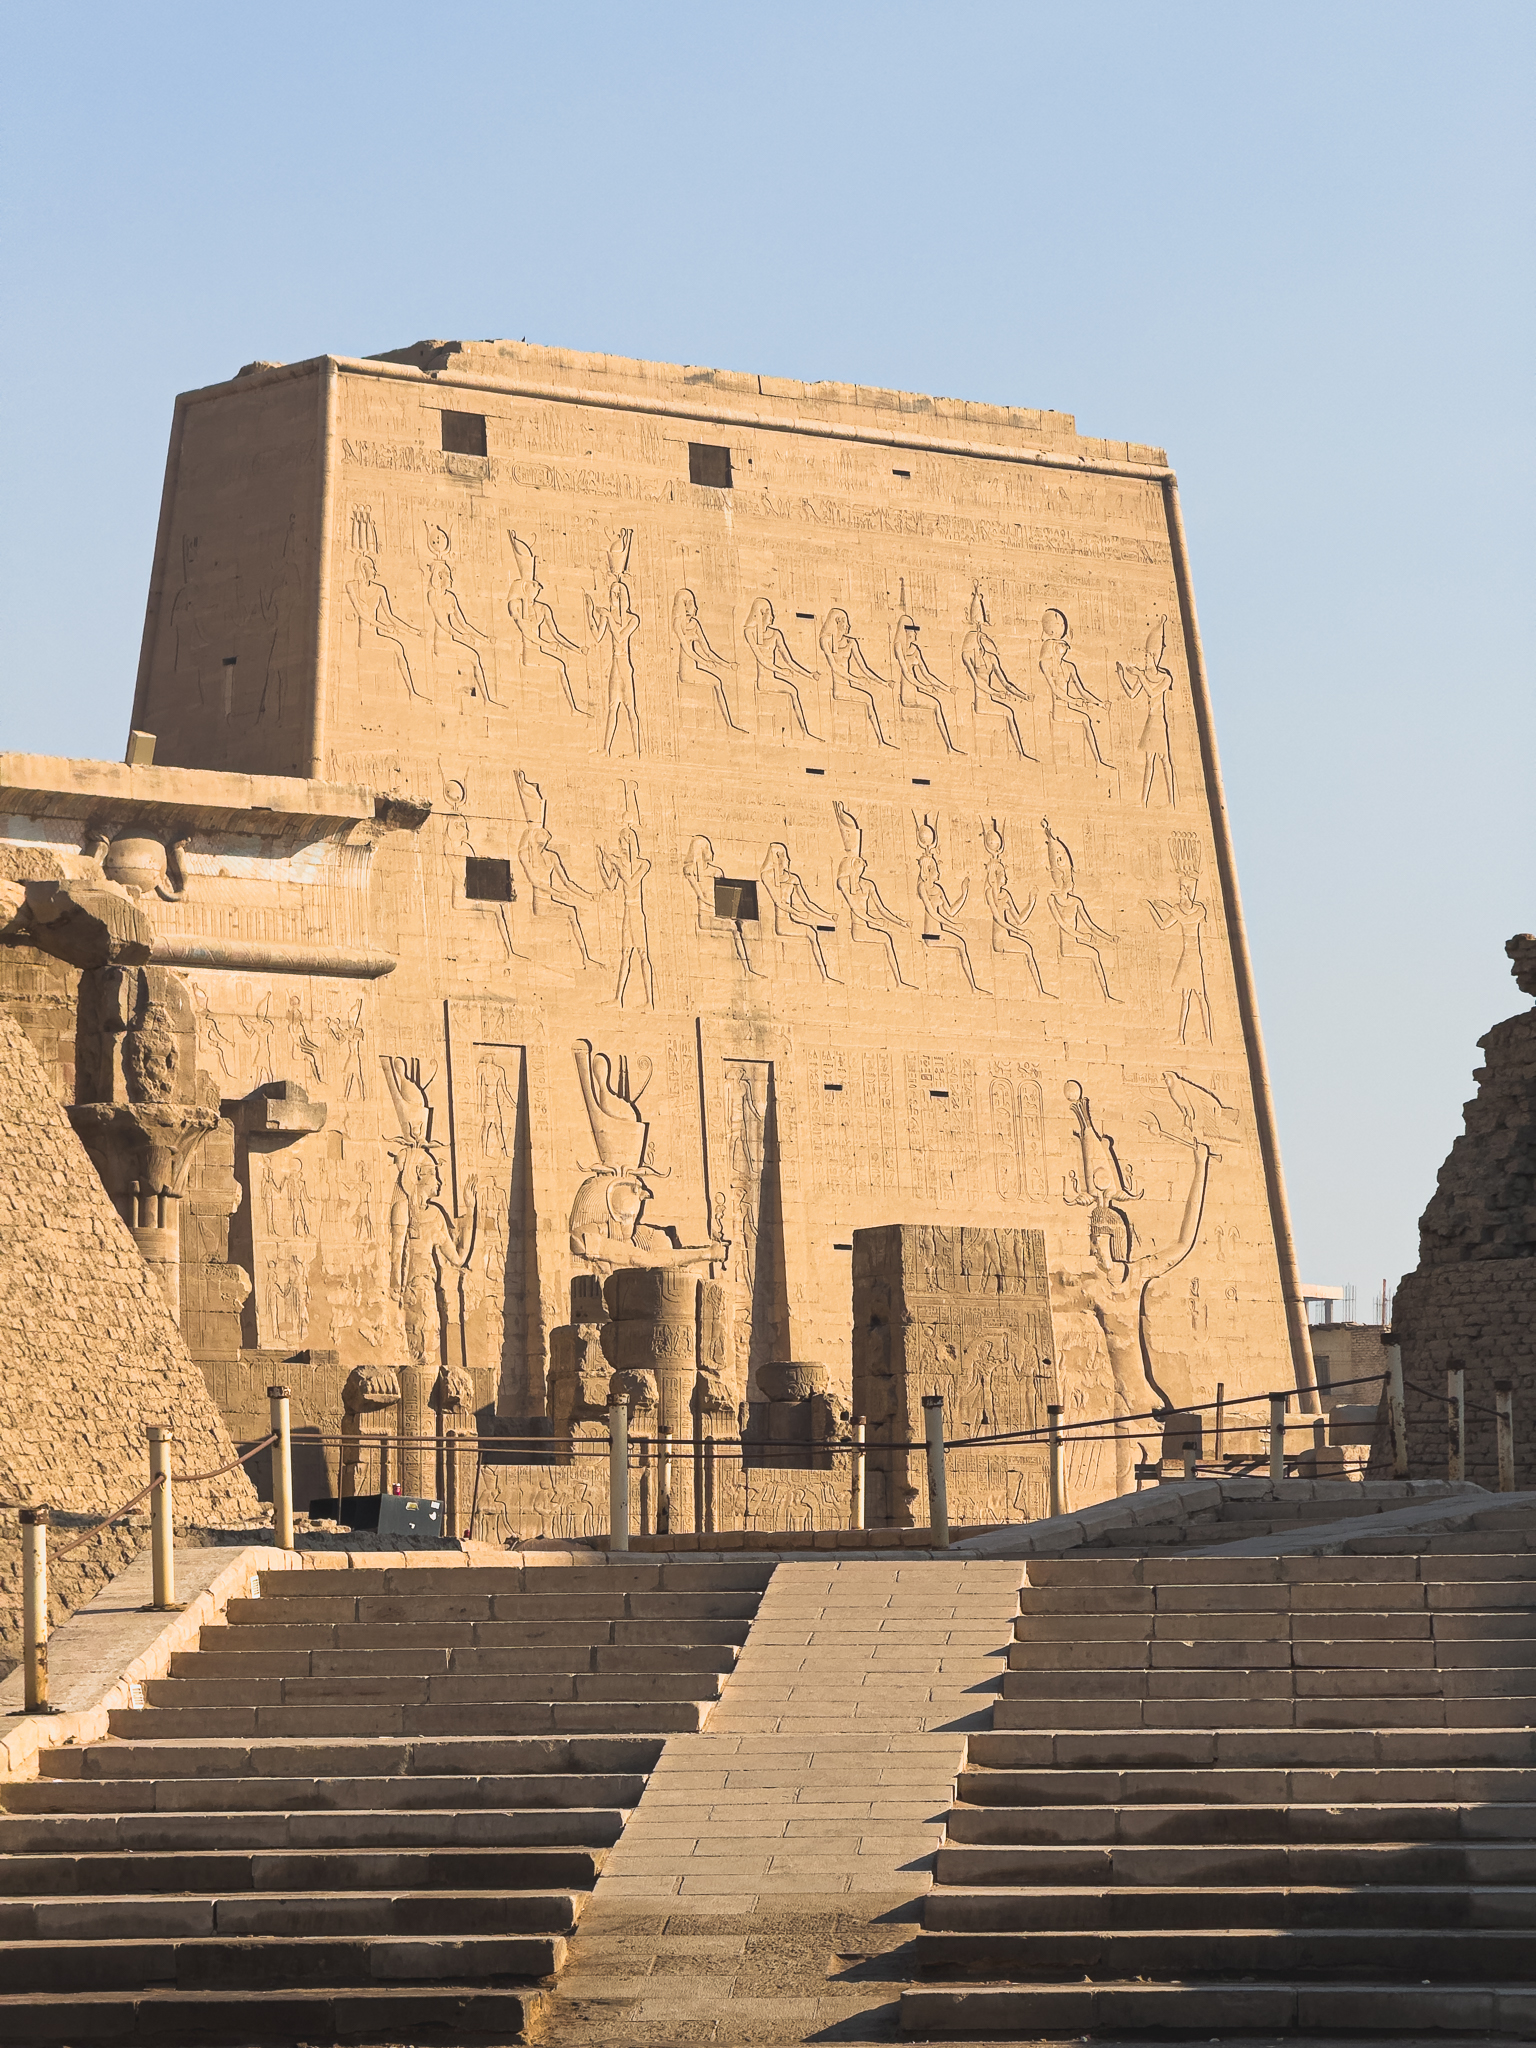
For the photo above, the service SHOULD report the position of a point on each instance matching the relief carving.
(1187, 916)
(1076, 932)
(853, 679)
(989, 679)
(777, 669)
(540, 644)
(697, 661)
(615, 622)
(607, 1230)
(1072, 702)
(1155, 682)
(919, 688)
(870, 920)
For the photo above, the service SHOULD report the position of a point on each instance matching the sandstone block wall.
(92, 1356)
(1472, 1299)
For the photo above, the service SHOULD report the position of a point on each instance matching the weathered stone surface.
(92, 1355)
(1472, 1298)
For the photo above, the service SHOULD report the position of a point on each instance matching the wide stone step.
(663, 1646)
(499, 1757)
(390, 1611)
(249, 1964)
(1334, 1707)
(1237, 1863)
(1242, 1747)
(272, 1793)
(530, 1717)
(554, 1581)
(1458, 1955)
(1388, 2005)
(133, 1869)
(1217, 1786)
(439, 2012)
(1225, 1904)
(452, 1688)
(181, 1916)
(1182, 1821)
(583, 1828)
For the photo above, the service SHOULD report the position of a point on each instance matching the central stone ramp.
(1221, 1794)
(372, 1805)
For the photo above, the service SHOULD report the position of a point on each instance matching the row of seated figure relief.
(798, 917)
(539, 650)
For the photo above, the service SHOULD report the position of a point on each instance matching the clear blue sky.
(1291, 243)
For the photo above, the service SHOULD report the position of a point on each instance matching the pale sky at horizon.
(1291, 245)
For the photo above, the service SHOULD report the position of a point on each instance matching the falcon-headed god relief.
(607, 1228)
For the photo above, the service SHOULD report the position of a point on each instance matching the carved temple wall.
(628, 863)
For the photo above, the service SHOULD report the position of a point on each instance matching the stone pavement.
(772, 1876)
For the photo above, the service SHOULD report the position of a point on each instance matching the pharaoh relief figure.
(541, 647)
(919, 687)
(697, 661)
(616, 622)
(429, 1249)
(1072, 702)
(1153, 681)
(1114, 1285)
(1076, 931)
(1187, 916)
(607, 1226)
(991, 689)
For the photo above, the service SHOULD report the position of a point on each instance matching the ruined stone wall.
(92, 1356)
(1472, 1298)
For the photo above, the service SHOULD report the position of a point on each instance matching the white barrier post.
(1504, 1425)
(162, 1556)
(938, 1490)
(34, 1610)
(1277, 1437)
(1456, 1422)
(282, 1469)
(1397, 1414)
(856, 1512)
(618, 1475)
(1057, 1503)
(663, 1479)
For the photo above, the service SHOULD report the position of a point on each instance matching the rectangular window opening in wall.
(488, 881)
(833, 1087)
(736, 900)
(901, 472)
(707, 465)
(939, 1094)
(463, 433)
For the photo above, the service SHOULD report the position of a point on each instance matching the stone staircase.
(1283, 1793)
(372, 1805)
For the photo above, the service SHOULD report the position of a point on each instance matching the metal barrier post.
(1319, 1445)
(1221, 1418)
(1504, 1429)
(1057, 1503)
(1456, 1422)
(663, 1479)
(938, 1491)
(710, 1524)
(282, 1470)
(1397, 1414)
(857, 1461)
(450, 1482)
(618, 1475)
(698, 1474)
(34, 1610)
(1191, 1458)
(162, 1556)
(1277, 1437)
